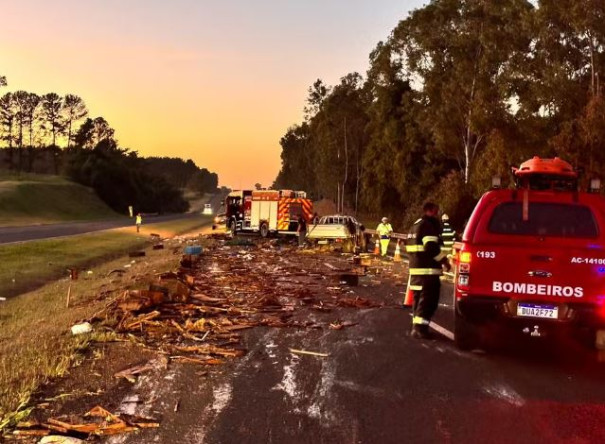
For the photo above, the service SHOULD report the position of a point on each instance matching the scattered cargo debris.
(136, 254)
(193, 250)
(306, 352)
(197, 315)
(55, 439)
(97, 422)
(80, 329)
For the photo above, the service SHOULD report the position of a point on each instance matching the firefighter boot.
(420, 331)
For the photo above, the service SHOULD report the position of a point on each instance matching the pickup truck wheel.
(264, 230)
(466, 334)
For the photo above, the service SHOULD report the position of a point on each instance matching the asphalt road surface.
(38, 232)
(378, 385)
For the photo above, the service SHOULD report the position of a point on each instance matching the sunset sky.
(215, 81)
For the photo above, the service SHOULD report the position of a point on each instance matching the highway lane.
(38, 232)
(378, 385)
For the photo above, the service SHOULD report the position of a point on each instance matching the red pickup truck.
(532, 259)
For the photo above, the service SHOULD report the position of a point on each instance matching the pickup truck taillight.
(464, 270)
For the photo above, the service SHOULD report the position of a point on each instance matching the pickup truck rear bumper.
(485, 309)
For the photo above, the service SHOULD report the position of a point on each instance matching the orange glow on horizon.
(189, 79)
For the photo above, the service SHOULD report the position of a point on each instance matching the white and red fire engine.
(267, 211)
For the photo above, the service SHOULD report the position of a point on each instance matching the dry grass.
(35, 340)
(25, 266)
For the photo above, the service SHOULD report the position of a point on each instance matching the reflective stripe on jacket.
(424, 247)
(448, 235)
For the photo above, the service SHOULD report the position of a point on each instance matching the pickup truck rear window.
(545, 219)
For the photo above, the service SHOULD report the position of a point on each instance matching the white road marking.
(505, 393)
(222, 397)
(330, 266)
(439, 329)
(288, 382)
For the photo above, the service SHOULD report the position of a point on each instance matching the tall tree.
(94, 131)
(7, 120)
(460, 53)
(52, 104)
(32, 101)
(20, 99)
(74, 110)
(317, 94)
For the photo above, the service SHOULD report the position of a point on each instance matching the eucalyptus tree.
(460, 55)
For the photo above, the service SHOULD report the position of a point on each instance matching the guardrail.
(393, 235)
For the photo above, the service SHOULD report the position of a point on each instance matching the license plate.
(538, 311)
(322, 242)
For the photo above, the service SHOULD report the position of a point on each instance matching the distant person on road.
(448, 235)
(384, 231)
(138, 221)
(426, 265)
(302, 231)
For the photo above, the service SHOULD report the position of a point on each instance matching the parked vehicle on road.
(337, 229)
(532, 260)
(207, 211)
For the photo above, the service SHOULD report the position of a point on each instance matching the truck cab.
(532, 259)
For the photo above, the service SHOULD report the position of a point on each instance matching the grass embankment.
(31, 199)
(25, 266)
(35, 341)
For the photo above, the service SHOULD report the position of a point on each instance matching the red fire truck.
(266, 211)
(532, 260)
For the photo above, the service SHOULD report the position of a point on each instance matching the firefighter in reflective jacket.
(448, 235)
(426, 263)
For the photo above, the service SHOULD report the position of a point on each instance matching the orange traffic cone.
(377, 247)
(397, 257)
(408, 301)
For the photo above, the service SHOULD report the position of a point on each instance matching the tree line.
(32, 126)
(460, 91)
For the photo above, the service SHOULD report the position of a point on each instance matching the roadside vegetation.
(27, 265)
(459, 92)
(29, 199)
(53, 134)
(35, 340)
